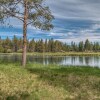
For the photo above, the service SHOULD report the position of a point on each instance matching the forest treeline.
(15, 45)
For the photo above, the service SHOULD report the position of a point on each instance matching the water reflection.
(61, 60)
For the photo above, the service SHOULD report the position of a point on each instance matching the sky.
(75, 20)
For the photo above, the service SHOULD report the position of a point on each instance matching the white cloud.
(68, 9)
(77, 40)
(75, 9)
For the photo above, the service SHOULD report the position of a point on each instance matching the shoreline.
(60, 54)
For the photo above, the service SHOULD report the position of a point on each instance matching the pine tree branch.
(13, 14)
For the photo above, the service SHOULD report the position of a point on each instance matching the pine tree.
(30, 12)
(87, 45)
(15, 43)
(81, 46)
(1, 47)
(31, 47)
(46, 46)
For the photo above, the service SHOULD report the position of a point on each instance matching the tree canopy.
(47, 45)
(38, 14)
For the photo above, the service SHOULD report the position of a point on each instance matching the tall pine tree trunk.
(24, 34)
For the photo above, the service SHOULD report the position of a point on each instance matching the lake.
(93, 61)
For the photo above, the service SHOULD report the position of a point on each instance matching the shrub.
(19, 51)
(9, 51)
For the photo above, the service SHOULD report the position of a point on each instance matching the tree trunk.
(24, 35)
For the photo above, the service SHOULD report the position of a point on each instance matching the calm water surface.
(93, 61)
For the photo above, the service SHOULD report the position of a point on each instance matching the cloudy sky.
(75, 20)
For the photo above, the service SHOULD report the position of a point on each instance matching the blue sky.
(75, 20)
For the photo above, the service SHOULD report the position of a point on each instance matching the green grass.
(61, 54)
(50, 82)
(67, 54)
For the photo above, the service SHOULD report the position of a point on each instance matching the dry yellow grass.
(19, 84)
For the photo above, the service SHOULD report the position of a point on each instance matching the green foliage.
(87, 45)
(51, 45)
(81, 46)
(31, 46)
(19, 51)
(15, 43)
(9, 51)
(38, 14)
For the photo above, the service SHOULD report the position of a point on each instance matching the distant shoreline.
(60, 54)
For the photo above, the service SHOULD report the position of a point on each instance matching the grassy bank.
(52, 82)
(61, 54)
(67, 54)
